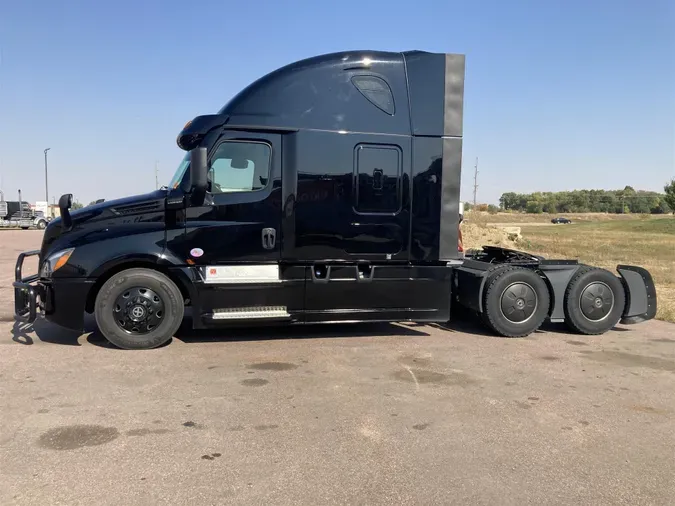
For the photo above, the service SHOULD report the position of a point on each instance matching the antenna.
(156, 175)
(475, 182)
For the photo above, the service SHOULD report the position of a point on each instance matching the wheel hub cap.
(597, 301)
(518, 302)
(138, 310)
(137, 313)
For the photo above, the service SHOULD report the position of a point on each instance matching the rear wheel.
(139, 309)
(594, 301)
(516, 301)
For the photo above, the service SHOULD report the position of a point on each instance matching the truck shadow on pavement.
(187, 335)
(46, 332)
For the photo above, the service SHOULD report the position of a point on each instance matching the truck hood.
(110, 217)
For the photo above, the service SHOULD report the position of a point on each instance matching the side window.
(240, 166)
(377, 179)
(377, 91)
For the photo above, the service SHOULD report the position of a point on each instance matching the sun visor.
(194, 131)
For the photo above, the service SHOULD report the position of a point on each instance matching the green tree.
(626, 200)
(670, 194)
(77, 205)
(549, 207)
(662, 208)
(534, 207)
(509, 201)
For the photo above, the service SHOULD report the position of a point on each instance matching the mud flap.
(640, 294)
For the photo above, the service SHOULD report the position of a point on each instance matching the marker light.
(55, 261)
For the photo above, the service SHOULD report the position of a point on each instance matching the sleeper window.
(377, 177)
(376, 91)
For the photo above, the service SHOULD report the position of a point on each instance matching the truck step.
(252, 312)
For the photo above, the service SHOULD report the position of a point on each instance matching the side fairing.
(436, 88)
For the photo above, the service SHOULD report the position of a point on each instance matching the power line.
(475, 182)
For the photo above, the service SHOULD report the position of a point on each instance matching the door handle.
(378, 177)
(269, 238)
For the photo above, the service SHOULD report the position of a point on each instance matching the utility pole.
(475, 182)
(156, 176)
(46, 179)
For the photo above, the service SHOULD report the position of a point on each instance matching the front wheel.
(139, 309)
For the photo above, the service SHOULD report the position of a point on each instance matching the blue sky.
(559, 94)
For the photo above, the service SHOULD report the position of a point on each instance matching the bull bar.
(26, 292)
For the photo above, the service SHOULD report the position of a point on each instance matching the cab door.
(234, 240)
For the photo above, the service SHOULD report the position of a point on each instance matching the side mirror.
(198, 176)
(65, 203)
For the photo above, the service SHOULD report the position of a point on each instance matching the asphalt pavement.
(346, 414)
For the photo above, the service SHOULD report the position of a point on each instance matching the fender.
(641, 303)
(113, 264)
(158, 259)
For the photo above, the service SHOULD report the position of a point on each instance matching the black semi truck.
(326, 191)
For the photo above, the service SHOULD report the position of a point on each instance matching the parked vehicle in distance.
(12, 216)
(561, 220)
(30, 219)
(326, 191)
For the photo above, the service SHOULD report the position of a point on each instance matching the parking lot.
(366, 414)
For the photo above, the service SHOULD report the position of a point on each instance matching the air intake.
(145, 207)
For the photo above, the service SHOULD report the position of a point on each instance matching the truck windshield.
(178, 175)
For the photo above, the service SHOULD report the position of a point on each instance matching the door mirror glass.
(198, 175)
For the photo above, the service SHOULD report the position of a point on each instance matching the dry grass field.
(522, 218)
(597, 239)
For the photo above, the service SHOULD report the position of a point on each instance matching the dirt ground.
(367, 414)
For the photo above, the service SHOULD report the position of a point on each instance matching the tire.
(594, 301)
(516, 301)
(41, 224)
(139, 309)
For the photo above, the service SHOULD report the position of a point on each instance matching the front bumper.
(28, 293)
(61, 300)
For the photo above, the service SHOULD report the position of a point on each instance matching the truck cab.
(326, 191)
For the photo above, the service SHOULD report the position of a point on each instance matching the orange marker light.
(63, 260)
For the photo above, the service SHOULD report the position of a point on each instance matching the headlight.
(55, 261)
